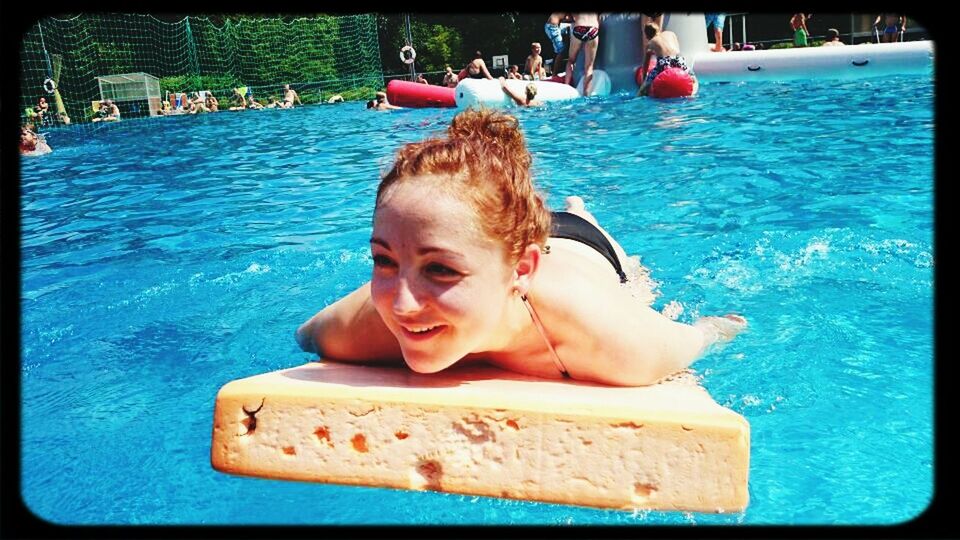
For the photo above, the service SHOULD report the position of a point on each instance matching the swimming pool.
(162, 259)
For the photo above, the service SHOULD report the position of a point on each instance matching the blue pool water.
(161, 260)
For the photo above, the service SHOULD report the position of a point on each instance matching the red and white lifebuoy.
(49, 85)
(408, 54)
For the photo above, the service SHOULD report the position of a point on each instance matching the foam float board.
(485, 431)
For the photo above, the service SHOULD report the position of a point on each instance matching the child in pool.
(470, 266)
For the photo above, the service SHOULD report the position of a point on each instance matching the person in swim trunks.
(586, 31)
(665, 47)
(557, 24)
(893, 24)
(799, 25)
(716, 20)
(470, 266)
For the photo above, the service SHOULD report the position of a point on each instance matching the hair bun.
(490, 129)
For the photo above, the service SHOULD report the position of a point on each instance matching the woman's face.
(439, 283)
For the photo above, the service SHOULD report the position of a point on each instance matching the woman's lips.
(426, 332)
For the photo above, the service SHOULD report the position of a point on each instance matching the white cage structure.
(132, 90)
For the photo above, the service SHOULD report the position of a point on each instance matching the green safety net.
(139, 60)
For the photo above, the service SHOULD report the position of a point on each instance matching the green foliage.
(784, 45)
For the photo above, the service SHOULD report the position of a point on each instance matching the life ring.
(408, 54)
(49, 85)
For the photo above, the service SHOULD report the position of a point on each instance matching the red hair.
(485, 160)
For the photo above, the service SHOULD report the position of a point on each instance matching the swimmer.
(832, 38)
(894, 23)
(32, 144)
(382, 104)
(469, 266)
(665, 47)
(524, 100)
(237, 101)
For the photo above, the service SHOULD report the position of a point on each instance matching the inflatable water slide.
(620, 54)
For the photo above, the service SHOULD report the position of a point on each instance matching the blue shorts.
(716, 19)
(556, 37)
(892, 29)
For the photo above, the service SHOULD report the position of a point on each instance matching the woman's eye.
(383, 261)
(441, 270)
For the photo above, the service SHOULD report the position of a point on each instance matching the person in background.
(557, 24)
(665, 47)
(735, 46)
(382, 103)
(716, 20)
(513, 72)
(644, 19)
(586, 33)
(798, 23)
(252, 103)
(533, 67)
(42, 111)
(475, 69)
(450, 79)
(272, 103)
(421, 79)
(524, 100)
(108, 112)
(833, 38)
(237, 101)
(211, 102)
(32, 144)
(198, 103)
(893, 24)
(289, 97)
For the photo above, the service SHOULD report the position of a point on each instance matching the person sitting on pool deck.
(211, 102)
(470, 266)
(237, 101)
(666, 48)
(108, 112)
(513, 72)
(524, 100)
(252, 103)
(289, 96)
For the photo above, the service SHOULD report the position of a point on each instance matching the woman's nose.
(405, 300)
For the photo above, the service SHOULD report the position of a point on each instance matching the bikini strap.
(543, 333)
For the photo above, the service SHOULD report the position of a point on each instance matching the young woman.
(470, 266)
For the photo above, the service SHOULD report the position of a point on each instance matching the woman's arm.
(622, 341)
(520, 100)
(483, 67)
(350, 329)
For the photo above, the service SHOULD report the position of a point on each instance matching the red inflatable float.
(419, 95)
(670, 83)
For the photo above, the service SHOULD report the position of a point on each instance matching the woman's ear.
(526, 268)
